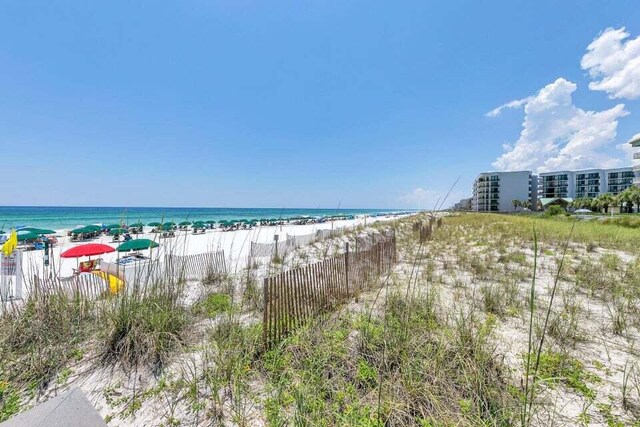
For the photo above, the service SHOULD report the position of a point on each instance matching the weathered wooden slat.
(294, 297)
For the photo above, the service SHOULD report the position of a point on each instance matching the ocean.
(61, 218)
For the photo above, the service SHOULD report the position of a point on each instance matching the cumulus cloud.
(558, 135)
(511, 104)
(613, 63)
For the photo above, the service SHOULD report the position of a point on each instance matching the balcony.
(636, 156)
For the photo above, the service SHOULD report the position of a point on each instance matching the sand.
(236, 244)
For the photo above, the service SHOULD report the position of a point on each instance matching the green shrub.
(559, 367)
(554, 210)
(214, 304)
(9, 401)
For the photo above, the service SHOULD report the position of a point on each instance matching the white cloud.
(614, 64)
(511, 104)
(558, 135)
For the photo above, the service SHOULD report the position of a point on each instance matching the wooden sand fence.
(170, 267)
(291, 242)
(86, 286)
(196, 267)
(294, 297)
(425, 229)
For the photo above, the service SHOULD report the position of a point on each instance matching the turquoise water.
(59, 218)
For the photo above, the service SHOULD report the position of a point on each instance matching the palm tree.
(617, 200)
(634, 197)
(588, 203)
(516, 203)
(604, 201)
(576, 203)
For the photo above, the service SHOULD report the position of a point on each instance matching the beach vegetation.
(493, 320)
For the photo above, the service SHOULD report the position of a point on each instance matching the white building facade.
(635, 143)
(495, 191)
(584, 183)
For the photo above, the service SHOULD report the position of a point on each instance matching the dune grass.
(480, 325)
(553, 230)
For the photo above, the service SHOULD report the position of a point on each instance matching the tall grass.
(40, 336)
(144, 326)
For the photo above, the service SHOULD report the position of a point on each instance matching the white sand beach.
(235, 244)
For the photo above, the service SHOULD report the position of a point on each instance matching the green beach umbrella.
(137, 245)
(27, 236)
(36, 230)
(185, 223)
(82, 230)
(210, 221)
(92, 227)
(117, 231)
(198, 224)
(154, 224)
(136, 225)
(170, 224)
(110, 226)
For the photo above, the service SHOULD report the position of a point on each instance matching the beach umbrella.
(210, 221)
(82, 230)
(136, 225)
(36, 230)
(185, 223)
(92, 227)
(90, 249)
(27, 236)
(154, 224)
(198, 224)
(137, 245)
(167, 227)
(169, 224)
(117, 231)
(112, 226)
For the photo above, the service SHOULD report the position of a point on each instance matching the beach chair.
(86, 266)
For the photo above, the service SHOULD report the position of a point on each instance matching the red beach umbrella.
(90, 249)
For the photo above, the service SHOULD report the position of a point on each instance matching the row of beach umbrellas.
(94, 249)
(31, 233)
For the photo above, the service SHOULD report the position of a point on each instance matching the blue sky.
(300, 103)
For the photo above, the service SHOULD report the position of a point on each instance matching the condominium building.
(584, 183)
(463, 205)
(495, 191)
(635, 143)
(556, 184)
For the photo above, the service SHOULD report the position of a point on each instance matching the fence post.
(266, 324)
(275, 238)
(346, 267)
